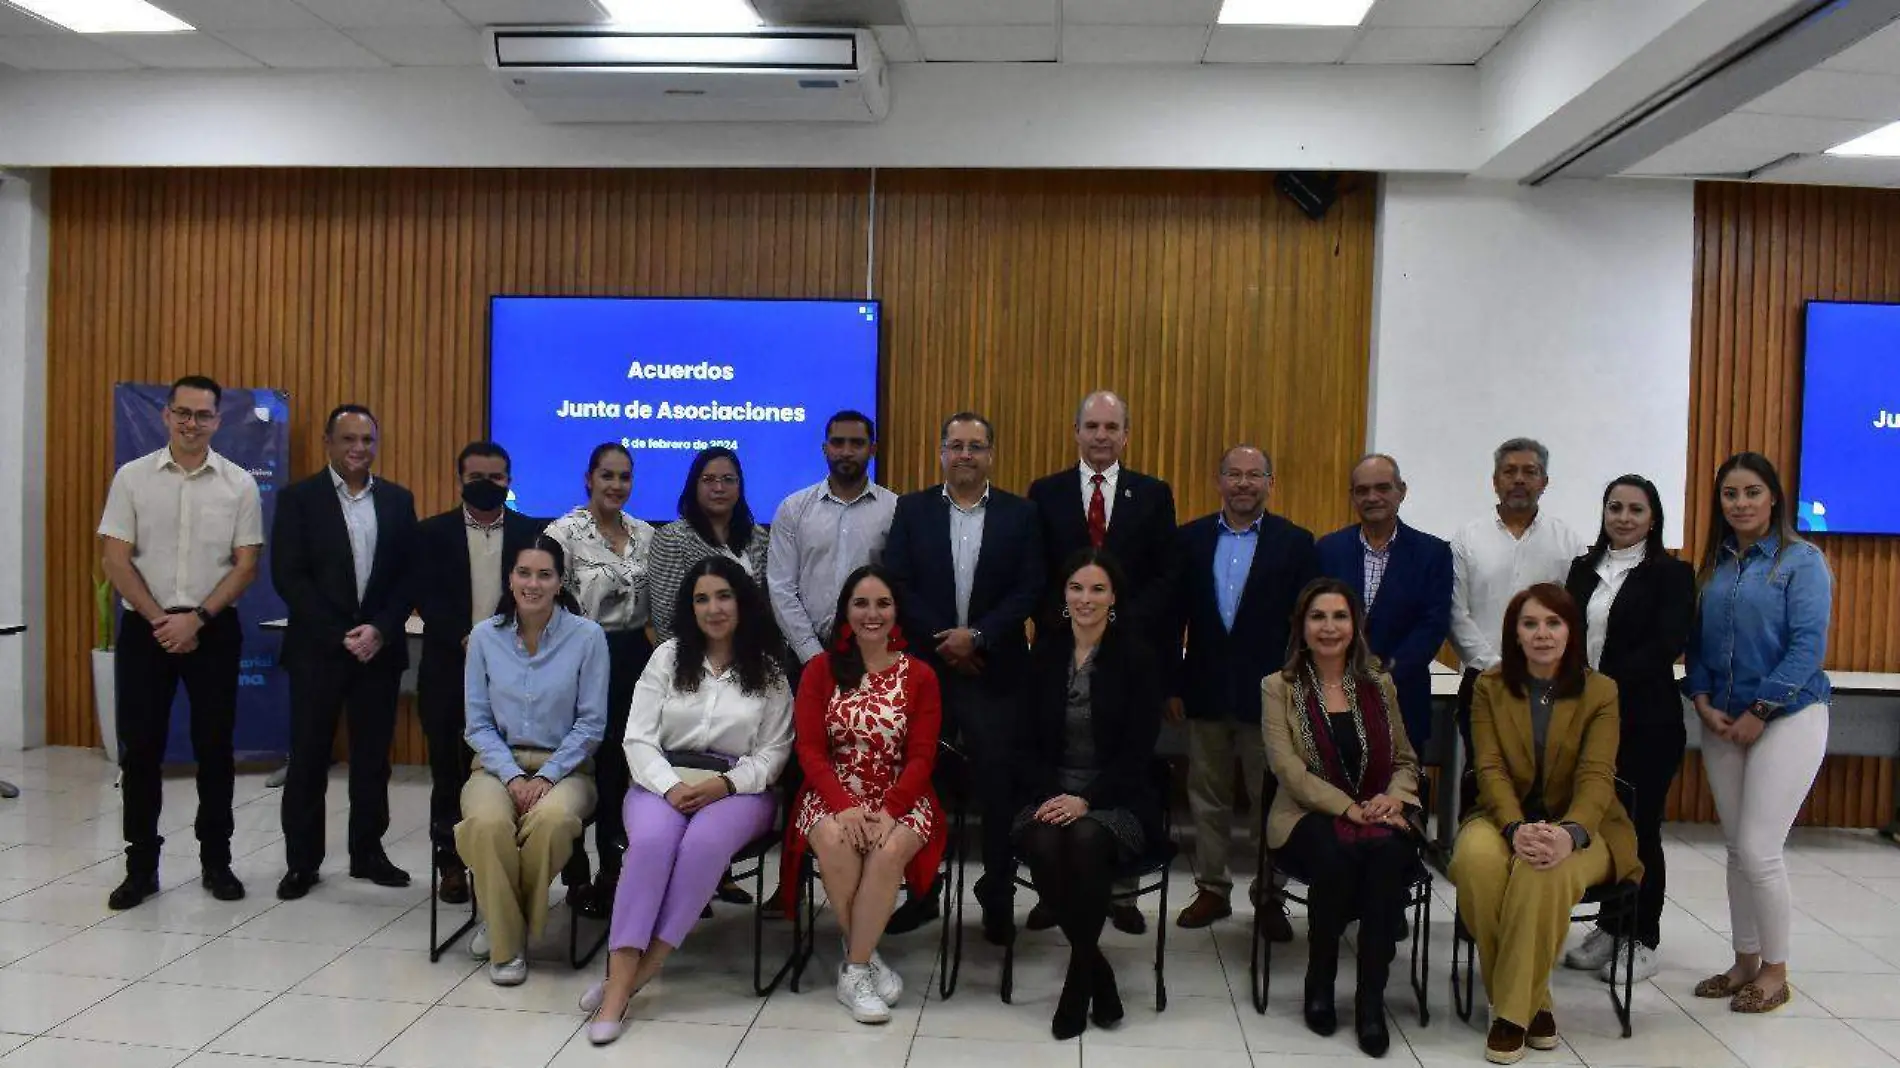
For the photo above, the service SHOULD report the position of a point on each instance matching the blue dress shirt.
(1761, 629)
(1233, 560)
(554, 699)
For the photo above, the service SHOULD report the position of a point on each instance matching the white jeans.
(1759, 789)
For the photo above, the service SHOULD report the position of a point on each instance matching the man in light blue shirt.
(822, 533)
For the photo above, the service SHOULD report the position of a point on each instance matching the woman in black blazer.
(1082, 764)
(1639, 603)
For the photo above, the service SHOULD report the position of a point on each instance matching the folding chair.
(1616, 903)
(1418, 899)
(575, 873)
(1155, 865)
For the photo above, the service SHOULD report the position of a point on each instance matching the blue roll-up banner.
(255, 434)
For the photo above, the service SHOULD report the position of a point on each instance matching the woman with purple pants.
(709, 732)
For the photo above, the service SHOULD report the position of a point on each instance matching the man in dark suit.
(1403, 578)
(968, 562)
(340, 542)
(462, 559)
(1101, 504)
(1241, 574)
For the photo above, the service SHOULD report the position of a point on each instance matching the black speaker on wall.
(1313, 191)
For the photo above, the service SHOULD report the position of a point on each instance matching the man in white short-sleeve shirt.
(180, 540)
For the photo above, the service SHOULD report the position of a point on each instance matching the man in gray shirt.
(822, 533)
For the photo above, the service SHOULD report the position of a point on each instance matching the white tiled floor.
(342, 977)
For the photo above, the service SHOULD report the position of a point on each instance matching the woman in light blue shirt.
(537, 706)
(1755, 677)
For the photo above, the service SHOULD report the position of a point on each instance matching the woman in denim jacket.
(1755, 677)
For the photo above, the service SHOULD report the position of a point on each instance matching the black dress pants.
(982, 722)
(627, 654)
(441, 705)
(146, 678)
(1368, 880)
(321, 686)
(1648, 757)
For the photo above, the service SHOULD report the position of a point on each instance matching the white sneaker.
(857, 991)
(885, 980)
(1646, 967)
(509, 973)
(478, 942)
(1593, 953)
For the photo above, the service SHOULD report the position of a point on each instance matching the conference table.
(7, 789)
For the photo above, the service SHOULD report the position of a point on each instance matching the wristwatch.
(976, 637)
(203, 616)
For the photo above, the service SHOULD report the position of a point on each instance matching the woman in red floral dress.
(867, 719)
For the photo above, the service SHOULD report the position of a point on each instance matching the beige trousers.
(512, 858)
(1212, 746)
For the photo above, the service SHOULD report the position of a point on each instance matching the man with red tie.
(1101, 504)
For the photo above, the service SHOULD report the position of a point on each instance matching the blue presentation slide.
(666, 378)
(1850, 420)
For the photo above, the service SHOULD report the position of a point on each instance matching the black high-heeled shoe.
(1368, 1023)
(1105, 999)
(1072, 1008)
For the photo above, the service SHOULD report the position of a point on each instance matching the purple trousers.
(675, 862)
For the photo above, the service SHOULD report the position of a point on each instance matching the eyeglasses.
(972, 448)
(719, 480)
(186, 415)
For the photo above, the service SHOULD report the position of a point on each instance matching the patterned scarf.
(1365, 704)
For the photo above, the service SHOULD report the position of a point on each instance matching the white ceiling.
(1781, 135)
(351, 34)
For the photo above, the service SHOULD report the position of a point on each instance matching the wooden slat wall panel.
(1202, 296)
(1762, 251)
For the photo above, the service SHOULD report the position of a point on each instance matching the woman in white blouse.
(1639, 603)
(710, 730)
(714, 520)
(608, 555)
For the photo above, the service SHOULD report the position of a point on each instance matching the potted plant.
(104, 688)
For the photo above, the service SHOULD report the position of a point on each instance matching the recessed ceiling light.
(105, 16)
(1882, 142)
(1293, 12)
(681, 14)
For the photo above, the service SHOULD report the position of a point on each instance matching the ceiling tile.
(15, 23)
(302, 49)
(528, 12)
(1837, 170)
(1437, 45)
(356, 14)
(175, 51)
(982, 13)
(244, 14)
(1133, 44)
(1279, 44)
(423, 46)
(1448, 13)
(830, 12)
(1830, 94)
(898, 43)
(1877, 54)
(70, 52)
(1141, 12)
(988, 44)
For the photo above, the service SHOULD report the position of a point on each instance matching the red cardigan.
(924, 704)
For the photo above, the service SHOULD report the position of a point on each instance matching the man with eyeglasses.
(1242, 572)
(968, 559)
(180, 540)
(339, 546)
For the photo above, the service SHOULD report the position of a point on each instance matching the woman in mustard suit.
(1548, 826)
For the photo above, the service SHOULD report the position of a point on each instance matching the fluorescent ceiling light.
(1293, 12)
(105, 16)
(682, 14)
(1882, 142)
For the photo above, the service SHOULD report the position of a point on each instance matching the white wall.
(23, 263)
(1560, 313)
(942, 115)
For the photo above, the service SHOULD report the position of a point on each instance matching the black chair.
(951, 777)
(1418, 899)
(575, 873)
(1154, 867)
(1616, 904)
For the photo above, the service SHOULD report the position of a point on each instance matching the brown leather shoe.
(1542, 1033)
(452, 889)
(1206, 907)
(1505, 1043)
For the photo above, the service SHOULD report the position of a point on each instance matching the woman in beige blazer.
(1347, 773)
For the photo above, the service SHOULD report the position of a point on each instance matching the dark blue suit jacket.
(1004, 593)
(1408, 623)
(1221, 671)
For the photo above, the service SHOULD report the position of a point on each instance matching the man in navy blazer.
(338, 548)
(1241, 574)
(967, 558)
(1403, 578)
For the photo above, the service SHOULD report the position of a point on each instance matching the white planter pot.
(105, 701)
